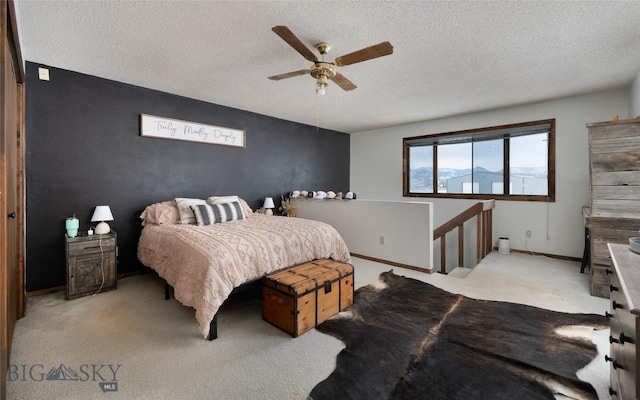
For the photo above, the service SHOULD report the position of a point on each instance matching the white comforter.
(204, 264)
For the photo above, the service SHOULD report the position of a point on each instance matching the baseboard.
(36, 293)
(430, 271)
(534, 253)
(41, 292)
(395, 264)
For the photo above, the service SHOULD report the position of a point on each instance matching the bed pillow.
(245, 207)
(184, 207)
(221, 199)
(208, 214)
(228, 199)
(164, 213)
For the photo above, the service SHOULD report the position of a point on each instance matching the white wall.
(557, 228)
(406, 227)
(634, 98)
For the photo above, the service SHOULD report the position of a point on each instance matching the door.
(11, 186)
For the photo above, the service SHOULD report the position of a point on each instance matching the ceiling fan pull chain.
(317, 114)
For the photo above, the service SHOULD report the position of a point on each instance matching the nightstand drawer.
(94, 246)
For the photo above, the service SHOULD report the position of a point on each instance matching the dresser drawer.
(622, 370)
(624, 323)
(614, 384)
(601, 275)
(599, 290)
(599, 280)
(600, 253)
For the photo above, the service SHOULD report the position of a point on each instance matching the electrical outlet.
(381, 239)
(43, 74)
(528, 233)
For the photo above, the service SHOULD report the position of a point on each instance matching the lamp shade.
(268, 202)
(102, 213)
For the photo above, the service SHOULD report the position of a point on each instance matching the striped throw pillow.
(207, 214)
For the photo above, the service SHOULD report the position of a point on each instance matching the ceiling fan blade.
(289, 75)
(294, 42)
(368, 53)
(343, 82)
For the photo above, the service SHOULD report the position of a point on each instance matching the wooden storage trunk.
(299, 298)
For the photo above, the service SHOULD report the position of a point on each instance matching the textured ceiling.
(449, 57)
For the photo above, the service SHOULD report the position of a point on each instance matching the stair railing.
(483, 211)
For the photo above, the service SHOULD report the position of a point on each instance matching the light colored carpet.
(161, 354)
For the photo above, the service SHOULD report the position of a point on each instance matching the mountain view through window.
(476, 164)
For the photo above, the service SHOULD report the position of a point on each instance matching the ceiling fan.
(322, 70)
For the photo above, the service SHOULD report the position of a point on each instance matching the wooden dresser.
(624, 320)
(614, 171)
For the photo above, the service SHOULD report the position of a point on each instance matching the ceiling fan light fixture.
(323, 82)
(321, 89)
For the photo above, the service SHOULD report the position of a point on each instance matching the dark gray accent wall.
(83, 149)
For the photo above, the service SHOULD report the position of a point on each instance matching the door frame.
(12, 276)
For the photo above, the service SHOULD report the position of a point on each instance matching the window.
(509, 162)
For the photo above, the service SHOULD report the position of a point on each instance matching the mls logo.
(108, 386)
(104, 374)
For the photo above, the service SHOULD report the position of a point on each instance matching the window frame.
(503, 132)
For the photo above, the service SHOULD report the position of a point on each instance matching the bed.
(203, 263)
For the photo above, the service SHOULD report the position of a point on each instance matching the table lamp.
(102, 213)
(268, 205)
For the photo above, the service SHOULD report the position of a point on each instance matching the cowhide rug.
(406, 339)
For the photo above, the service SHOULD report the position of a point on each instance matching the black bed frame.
(213, 325)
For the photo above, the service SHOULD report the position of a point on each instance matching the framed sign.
(168, 128)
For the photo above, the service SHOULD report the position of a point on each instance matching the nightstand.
(91, 264)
